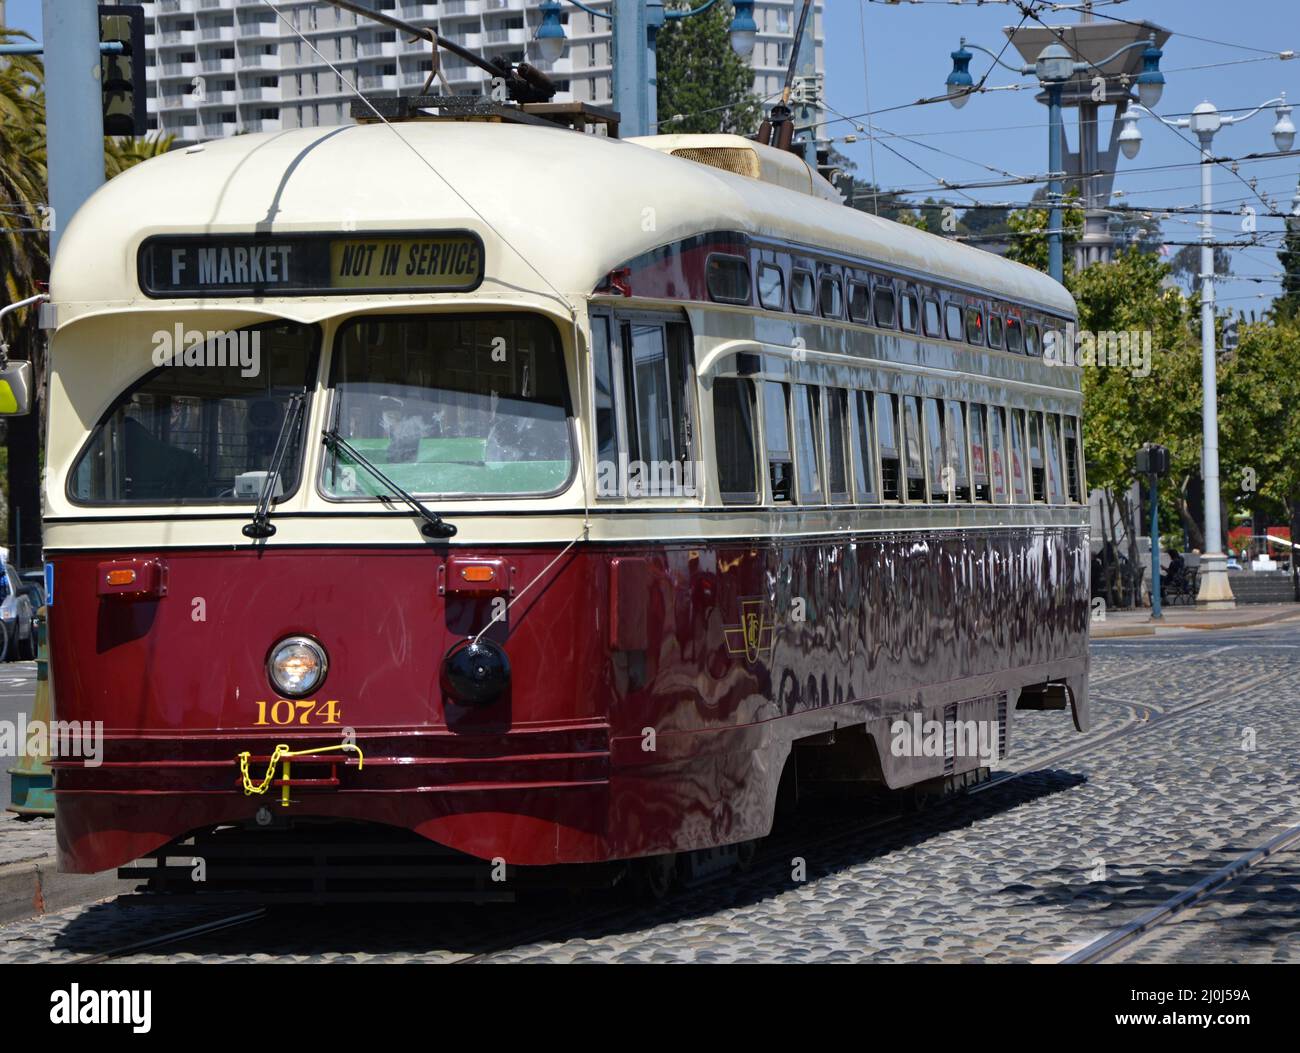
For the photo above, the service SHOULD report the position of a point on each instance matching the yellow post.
(32, 782)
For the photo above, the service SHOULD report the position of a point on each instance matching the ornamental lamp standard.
(1205, 121)
(1054, 69)
(635, 28)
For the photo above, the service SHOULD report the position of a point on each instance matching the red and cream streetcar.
(554, 498)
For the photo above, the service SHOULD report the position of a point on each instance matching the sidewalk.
(30, 882)
(1139, 623)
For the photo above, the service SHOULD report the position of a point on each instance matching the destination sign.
(310, 264)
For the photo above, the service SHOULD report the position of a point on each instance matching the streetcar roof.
(572, 206)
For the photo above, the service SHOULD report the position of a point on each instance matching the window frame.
(730, 257)
(796, 277)
(840, 397)
(855, 284)
(830, 279)
(315, 355)
(738, 497)
(766, 265)
(866, 485)
(949, 307)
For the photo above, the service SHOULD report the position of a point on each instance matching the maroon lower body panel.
(655, 693)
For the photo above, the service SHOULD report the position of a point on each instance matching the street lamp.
(1205, 120)
(635, 26)
(1054, 69)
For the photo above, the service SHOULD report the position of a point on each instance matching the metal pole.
(636, 26)
(1215, 591)
(1156, 614)
(74, 115)
(1055, 237)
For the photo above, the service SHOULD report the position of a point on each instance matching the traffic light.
(1152, 459)
(1230, 338)
(122, 75)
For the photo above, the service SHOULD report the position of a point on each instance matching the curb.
(35, 887)
(1149, 629)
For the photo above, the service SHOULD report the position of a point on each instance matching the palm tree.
(24, 248)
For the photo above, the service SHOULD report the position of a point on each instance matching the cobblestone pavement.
(1191, 763)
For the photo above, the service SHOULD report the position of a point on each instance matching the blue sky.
(881, 55)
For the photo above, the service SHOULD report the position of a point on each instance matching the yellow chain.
(280, 753)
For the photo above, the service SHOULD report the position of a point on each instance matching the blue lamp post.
(635, 29)
(1054, 69)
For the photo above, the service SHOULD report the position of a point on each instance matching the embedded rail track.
(1141, 926)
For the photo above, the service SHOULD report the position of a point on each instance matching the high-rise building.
(217, 67)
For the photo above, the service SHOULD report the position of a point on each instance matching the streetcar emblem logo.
(755, 634)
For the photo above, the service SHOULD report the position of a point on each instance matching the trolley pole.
(74, 116)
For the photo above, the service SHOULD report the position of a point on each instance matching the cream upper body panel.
(556, 210)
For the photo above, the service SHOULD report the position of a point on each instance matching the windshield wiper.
(434, 524)
(261, 526)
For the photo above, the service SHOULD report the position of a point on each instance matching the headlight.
(297, 666)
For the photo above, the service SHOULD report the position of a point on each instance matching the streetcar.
(544, 498)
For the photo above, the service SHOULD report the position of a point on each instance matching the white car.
(17, 621)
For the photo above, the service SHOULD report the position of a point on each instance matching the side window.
(891, 447)
(914, 464)
(995, 330)
(607, 440)
(733, 432)
(907, 319)
(1015, 336)
(776, 435)
(728, 279)
(658, 380)
(1072, 487)
(1055, 480)
(860, 303)
(1035, 446)
(837, 466)
(936, 451)
(997, 454)
(974, 326)
(801, 292)
(830, 297)
(883, 299)
(864, 467)
(956, 437)
(979, 457)
(771, 287)
(1016, 424)
(1032, 344)
(933, 325)
(952, 321)
(807, 449)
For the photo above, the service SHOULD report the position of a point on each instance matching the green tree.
(704, 86)
(1029, 227)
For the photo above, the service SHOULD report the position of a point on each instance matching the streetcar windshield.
(451, 404)
(202, 426)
